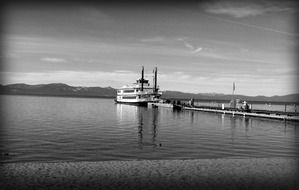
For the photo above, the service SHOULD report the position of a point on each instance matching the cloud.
(253, 26)
(188, 45)
(241, 9)
(238, 12)
(52, 59)
(197, 50)
(193, 49)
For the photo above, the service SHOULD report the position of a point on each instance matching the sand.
(259, 173)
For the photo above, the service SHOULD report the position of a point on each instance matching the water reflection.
(192, 117)
(235, 132)
(146, 121)
(154, 123)
(140, 129)
(147, 127)
(246, 123)
(126, 113)
(234, 121)
(221, 120)
(233, 127)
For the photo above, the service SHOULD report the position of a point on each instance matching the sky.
(198, 47)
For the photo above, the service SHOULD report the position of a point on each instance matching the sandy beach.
(260, 173)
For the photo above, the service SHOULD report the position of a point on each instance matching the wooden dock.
(231, 112)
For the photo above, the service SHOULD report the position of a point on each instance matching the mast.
(142, 76)
(155, 78)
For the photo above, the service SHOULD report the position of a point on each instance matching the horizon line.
(162, 91)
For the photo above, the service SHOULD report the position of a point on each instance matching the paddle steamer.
(139, 93)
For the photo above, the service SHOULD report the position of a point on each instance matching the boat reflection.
(154, 125)
(147, 128)
(146, 121)
(126, 113)
(140, 130)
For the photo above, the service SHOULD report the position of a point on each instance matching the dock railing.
(290, 109)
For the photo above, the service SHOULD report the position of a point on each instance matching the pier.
(269, 115)
(246, 114)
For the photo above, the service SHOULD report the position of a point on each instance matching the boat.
(139, 93)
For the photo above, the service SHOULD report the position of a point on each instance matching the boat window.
(119, 91)
(129, 97)
(129, 91)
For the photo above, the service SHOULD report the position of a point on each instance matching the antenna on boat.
(142, 76)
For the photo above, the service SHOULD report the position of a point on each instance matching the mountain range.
(60, 89)
(57, 89)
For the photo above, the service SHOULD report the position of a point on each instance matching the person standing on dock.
(191, 103)
(245, 107)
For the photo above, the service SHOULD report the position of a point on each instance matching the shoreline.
(252, 173)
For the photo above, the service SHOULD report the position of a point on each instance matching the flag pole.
(233, 98)
(234, 87)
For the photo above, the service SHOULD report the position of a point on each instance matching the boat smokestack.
(155, 87)
(153, 80)
(142, 76)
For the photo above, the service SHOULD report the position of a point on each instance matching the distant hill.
(60, 89)
(227, 97)
(57, 89)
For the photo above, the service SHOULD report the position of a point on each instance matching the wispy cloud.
(241, 9)
(253, 26)
(238, 12)
(53, 59)
(194, 49)
(197, 50)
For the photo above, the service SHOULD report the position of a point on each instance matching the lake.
(91, 129)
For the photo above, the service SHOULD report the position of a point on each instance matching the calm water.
(74, 129)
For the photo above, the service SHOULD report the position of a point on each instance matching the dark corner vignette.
(296, 20)
(2, 28)
(296, 66)
(5, 4)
